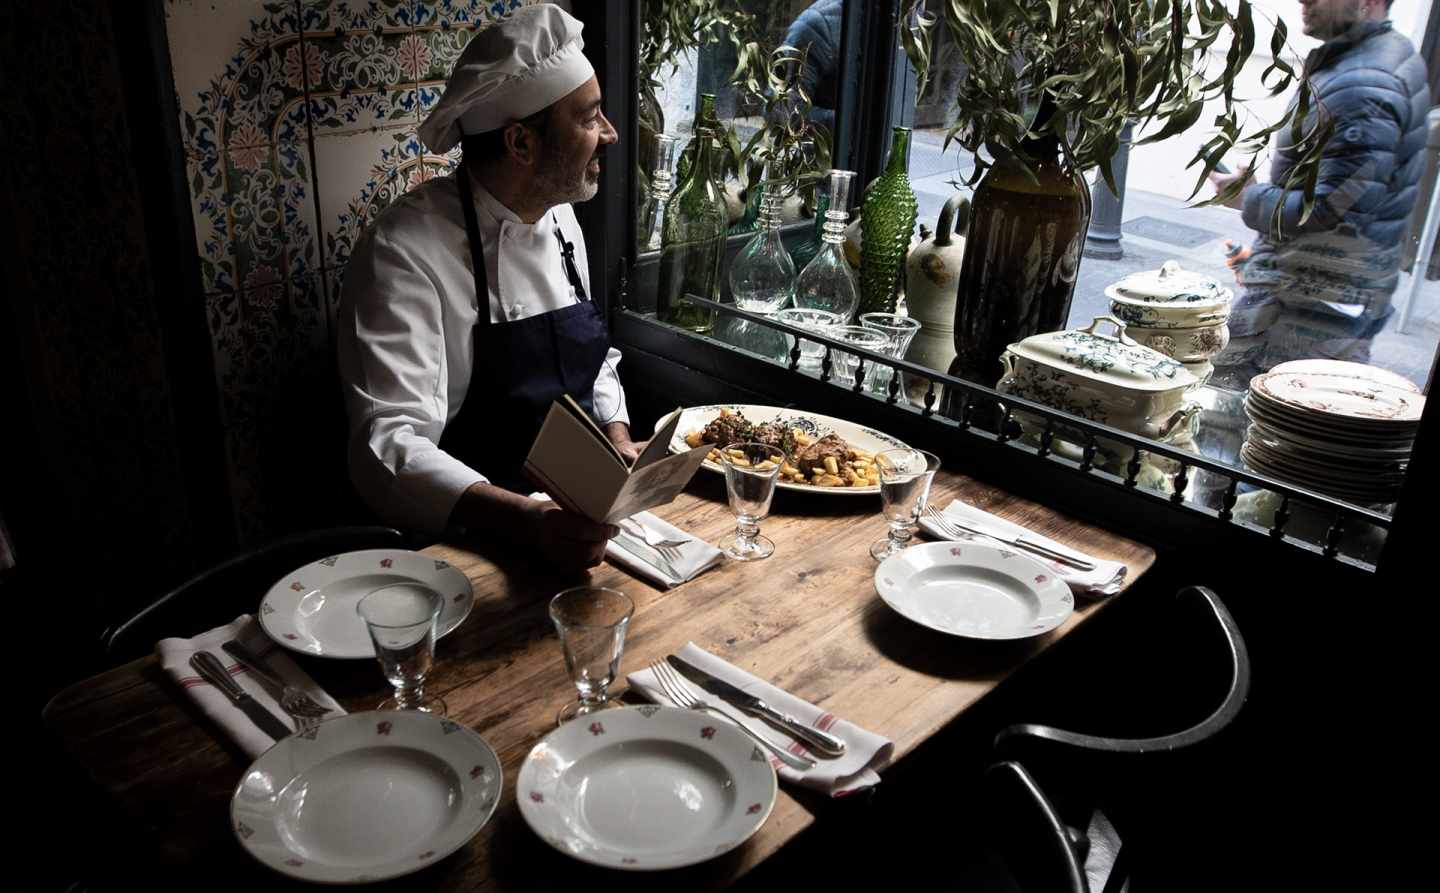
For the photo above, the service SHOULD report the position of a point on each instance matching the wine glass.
(905, 477)
(402, 620)
(591, 622)
(750, 471)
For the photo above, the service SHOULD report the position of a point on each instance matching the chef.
(467, 306)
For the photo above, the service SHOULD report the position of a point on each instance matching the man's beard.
(557, 185)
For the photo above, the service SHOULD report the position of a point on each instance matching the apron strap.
(477, 249)
(567, 254)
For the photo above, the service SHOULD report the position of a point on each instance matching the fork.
(306, 711)
(650, 537)
(669, 549)
(679, 693)
(957, 530)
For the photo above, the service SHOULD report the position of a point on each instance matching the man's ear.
(522, 143)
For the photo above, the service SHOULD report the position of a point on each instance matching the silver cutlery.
(952, 527)
(676, 690)
(293, 700)
(652, 538)
(821, 742)
(661, 560)
(213, 671)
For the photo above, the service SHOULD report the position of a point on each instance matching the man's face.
(1324, 19)
(574, 138)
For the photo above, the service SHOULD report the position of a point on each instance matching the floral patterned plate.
(974, 590)
(868, 439)
(644, 788)
(312, 609)
(366, 796)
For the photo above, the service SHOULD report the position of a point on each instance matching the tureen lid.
(1116, 359)
(1169, 285)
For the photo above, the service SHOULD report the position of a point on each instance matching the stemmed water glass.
(905, 477)
(592, 622)
(750, 471)
(402, 619)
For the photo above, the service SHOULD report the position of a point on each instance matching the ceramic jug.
(930, 278)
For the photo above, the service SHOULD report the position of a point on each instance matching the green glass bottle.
(706, 122)
(692, 244)
(886, 226)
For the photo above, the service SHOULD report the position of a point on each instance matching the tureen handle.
(1119, 335)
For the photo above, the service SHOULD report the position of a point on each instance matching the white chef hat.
(514, 68)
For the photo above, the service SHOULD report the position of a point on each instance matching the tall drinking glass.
(592, 622)
(750, 470)
(905, 477)
(899, 330)
(402, 619)
(844, 364)
(814, 320)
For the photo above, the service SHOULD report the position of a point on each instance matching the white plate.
(860, 438)
(1360, 402)
(366, 796)
(644, 788)
(1345, 367)
(312, 609)
(975, 590)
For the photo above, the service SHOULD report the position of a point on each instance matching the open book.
(573, 461)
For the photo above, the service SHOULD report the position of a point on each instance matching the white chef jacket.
(405, 338)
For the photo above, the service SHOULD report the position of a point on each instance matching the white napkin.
(175, 659)
(865, 751)
(1105, 579)
(696, 555)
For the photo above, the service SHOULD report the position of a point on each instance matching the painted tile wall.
(298, 119)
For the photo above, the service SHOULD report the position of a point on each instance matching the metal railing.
(966, 401)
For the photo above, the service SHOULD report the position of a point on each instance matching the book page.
(659, 445)
(657, 483)
(576, 469)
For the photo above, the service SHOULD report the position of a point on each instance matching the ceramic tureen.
(1108, 378)
(1181, 313)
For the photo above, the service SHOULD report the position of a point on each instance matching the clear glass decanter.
(762, 277)
(652, 215)
(827, 282)
(692, 242)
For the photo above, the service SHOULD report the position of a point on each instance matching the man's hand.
(1222, 182)
(567, 539)
(619, 434)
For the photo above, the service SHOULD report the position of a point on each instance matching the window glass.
(724, 49)
(1330, 292)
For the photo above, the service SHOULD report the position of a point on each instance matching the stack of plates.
(1344, 429)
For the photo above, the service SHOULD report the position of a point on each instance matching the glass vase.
(886, 225)
(827, 282)
(692, 244)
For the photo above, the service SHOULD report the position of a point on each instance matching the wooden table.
(807, 619)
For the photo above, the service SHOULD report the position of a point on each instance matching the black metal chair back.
(1155, 790)
(234, 586)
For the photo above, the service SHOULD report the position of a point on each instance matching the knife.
(214, 672)
(821, 742)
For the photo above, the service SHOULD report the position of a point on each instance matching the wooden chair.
(1162, 793)
(218, 594)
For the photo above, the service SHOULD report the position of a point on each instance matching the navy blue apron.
(520, 367)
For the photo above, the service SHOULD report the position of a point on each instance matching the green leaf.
(1177, 123)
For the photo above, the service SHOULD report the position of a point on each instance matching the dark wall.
(98, 491)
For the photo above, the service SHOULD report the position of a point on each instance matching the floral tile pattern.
(298, 119)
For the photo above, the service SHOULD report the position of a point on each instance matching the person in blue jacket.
(1322, 288)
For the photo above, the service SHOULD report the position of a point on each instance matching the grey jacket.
(1371, 81)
